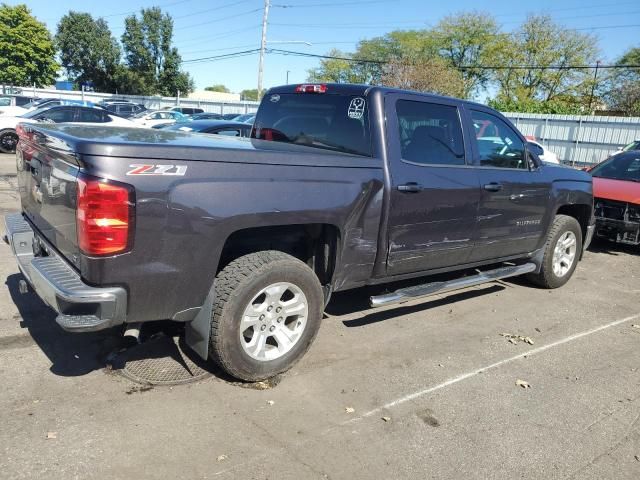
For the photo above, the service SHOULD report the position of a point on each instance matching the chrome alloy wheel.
(273, 321)
(564, 254)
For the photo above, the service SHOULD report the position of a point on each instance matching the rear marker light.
(104, 216)
(314, 88)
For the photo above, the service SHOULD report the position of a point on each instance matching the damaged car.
(616, 191)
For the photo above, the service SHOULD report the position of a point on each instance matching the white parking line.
(473, 373)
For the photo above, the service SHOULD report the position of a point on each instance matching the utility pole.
(263, 45)
(593, 87)
(288, 77)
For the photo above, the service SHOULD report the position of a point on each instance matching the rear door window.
(88, 115)
(58, 115)
(430, 133)
(324, 121)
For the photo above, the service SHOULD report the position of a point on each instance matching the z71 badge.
(173, 170)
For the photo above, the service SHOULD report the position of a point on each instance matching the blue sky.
(204, 28)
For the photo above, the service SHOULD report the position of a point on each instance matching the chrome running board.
(418, 291)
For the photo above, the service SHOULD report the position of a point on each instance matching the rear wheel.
(8, 140)
(266, 314)
(561, 253)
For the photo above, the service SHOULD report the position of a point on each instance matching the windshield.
(35, 112)
(621, 167)
(331, 122)
(631, 146)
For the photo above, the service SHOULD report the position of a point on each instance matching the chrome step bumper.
(81, 307)
(418, 291)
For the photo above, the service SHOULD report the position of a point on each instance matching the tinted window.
(57, 115)
(90, 116)
(498, 144)
(430, 133)
(621, 167)
(326, 121)
(125, 108)
(230, 132)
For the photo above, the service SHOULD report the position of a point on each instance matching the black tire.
(235, 287)
(547, 278)
(8, 140)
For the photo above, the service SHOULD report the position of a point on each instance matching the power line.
(329, 4)
(227, 33)
(211, 9)
(222, 19)
(462, 67)
(222, 57)
(171, 4)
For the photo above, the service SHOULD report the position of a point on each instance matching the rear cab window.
(338, 122)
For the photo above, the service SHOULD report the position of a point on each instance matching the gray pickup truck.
(244, 241)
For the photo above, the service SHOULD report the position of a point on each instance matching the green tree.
(466, 40)
(27, 53)
(150, 56)
(250, 94)
(217, 88)
(623, 85)
(433, 75)
(88, 51)
(526, 55)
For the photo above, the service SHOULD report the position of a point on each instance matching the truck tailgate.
(47, 174)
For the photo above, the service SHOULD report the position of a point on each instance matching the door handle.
(493, 187)
(410, 187)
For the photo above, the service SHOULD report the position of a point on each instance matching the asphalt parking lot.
(421, 390)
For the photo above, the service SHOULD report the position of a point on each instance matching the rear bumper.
(80, 307)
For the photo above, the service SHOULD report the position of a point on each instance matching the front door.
(434, 191)
(515, 197)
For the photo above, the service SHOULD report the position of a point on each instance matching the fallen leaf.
(523, 384)
(386, 419)
(271, 402)
(528, 340)
(222, 458)
(513, 340)
(637, 457)
(635, 325)
(52, 435)
(349, 409)
(440, 365)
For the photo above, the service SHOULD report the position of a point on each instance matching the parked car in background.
(218, 127)
(187, 110)
(206, 116)
(15, 100)
(57, 114)
(123, 109)
(41, 103)
(635, 145)
(245, 117)
(543, 153)
(230, 116)
(616, 192)
(151, 118)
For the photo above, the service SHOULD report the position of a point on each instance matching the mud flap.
(198, 330)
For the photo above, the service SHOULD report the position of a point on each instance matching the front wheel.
(266, 314)
(561, 253)
(8, 140)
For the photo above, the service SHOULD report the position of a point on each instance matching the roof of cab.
(358, 89)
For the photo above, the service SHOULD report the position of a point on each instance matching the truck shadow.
(600, 245)
(345, 303)
(70, 354)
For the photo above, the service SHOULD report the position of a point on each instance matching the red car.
(616, 192)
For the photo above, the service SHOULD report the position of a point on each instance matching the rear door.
(434, 191)
(515, 197)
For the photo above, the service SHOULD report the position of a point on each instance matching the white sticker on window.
(275, 98)
(356, 108)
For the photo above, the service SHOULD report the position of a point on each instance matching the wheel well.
(581, 213)
(315, 244)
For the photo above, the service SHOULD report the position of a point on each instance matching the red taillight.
(315, 88)
(104, 216)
